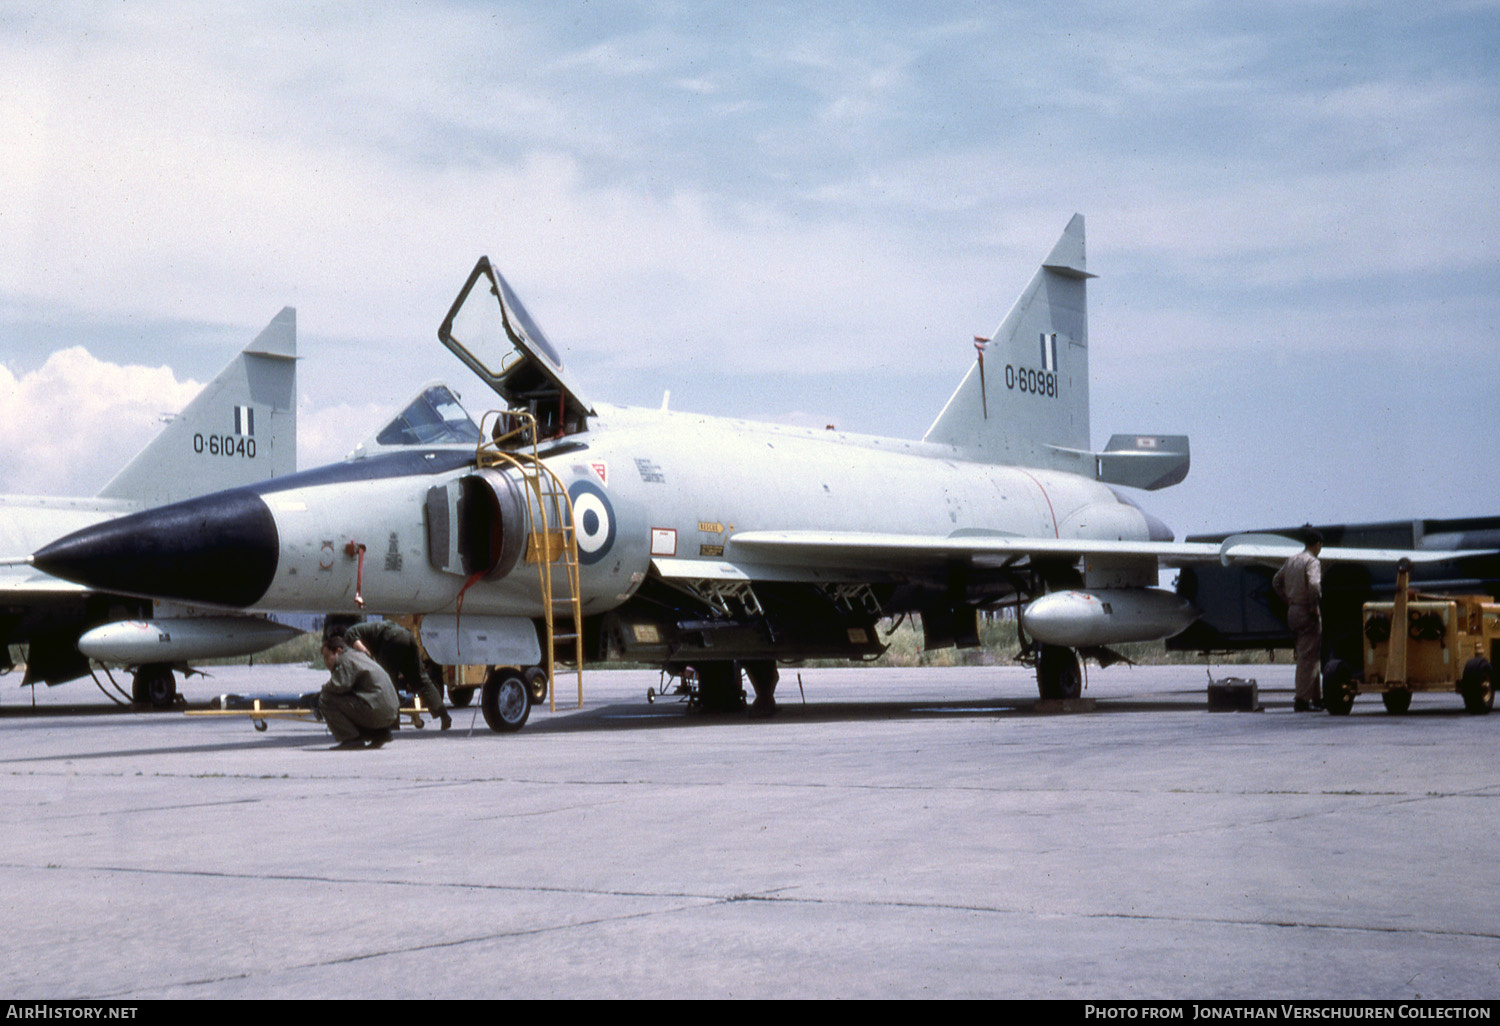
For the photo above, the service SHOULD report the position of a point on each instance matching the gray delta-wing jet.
(241, 429)
(580, 531)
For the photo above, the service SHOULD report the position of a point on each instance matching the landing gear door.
(491, 332)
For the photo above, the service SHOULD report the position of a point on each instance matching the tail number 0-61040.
(224, 445)
(1036, 382)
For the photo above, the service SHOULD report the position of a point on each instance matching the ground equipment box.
(1421, 642)
(1233, 694)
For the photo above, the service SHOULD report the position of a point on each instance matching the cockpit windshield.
(433, 418)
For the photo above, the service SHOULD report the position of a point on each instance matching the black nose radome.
(219, 549)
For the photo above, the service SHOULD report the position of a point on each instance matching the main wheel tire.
(1339, 688)
(506, 701)
(719, 688)
(763, 676)
(155, 685)
(1477, 686)
(1059, 673)
(1396, 702)
(460, 698)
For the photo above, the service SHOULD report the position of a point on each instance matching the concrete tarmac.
(897, 833)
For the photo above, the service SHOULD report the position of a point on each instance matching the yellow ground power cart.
(1421, 642)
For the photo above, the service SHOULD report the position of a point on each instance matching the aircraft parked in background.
(1240, 609)
(241, 429)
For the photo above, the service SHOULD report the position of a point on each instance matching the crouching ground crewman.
(395, 649)
(358, 702)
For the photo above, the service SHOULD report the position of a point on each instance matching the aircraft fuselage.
(646, 486)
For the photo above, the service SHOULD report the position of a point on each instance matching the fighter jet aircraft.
(240, 429)
(581, 531)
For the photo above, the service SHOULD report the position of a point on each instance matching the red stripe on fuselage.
(1050, 511)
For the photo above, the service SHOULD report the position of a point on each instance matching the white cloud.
(328, 433)
(70, 425)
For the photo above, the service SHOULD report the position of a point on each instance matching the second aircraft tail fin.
(241, 429)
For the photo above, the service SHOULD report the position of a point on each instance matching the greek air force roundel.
(594, 520)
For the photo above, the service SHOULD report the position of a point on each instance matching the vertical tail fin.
(1026, 399)
(241, 429)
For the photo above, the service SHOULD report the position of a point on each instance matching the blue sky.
(785, 211)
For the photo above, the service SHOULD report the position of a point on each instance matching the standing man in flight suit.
(1300, 583)
(394, 647)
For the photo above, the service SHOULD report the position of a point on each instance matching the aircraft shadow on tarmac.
(672, 714)
(675, 715)
(664, 714)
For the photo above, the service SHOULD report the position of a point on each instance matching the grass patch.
(304, 649)
(999, 644)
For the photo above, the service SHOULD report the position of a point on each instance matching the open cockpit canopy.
(493, 334)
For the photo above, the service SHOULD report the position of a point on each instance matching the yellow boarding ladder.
(553, 541)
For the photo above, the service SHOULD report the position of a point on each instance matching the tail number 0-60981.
(1036, 382)
(224, 445)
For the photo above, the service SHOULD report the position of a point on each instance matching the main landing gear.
(715, 687)
(154, 685)
(1059, 673)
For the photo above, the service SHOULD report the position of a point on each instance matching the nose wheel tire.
(506, 701)
(536, 681)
